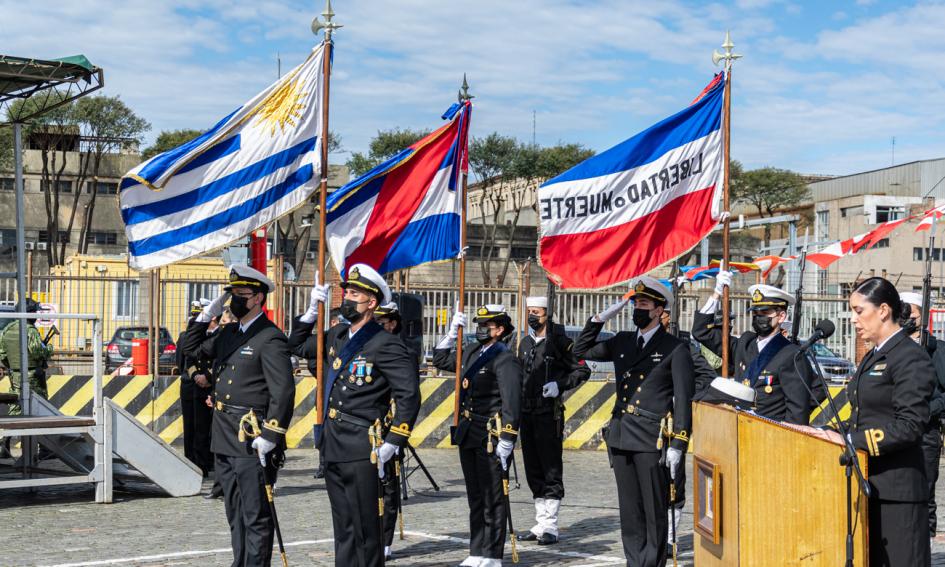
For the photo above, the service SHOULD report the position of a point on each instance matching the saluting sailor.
(253, 374)
(654, 380)
(491, 384)
(542, 430)
(763, 358)
(365, 369)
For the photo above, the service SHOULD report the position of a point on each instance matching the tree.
(384, 146)
(768, 189)
(491, 159)
(168, 140)
(6, 148)
(107, 125)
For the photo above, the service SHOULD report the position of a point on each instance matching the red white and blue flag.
(639, 204)
(406, 211)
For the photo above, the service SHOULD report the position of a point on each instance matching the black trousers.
(680, 484)
(198, 422)
(482, 473)
(643, 497)
(899, 534)
(541, 452)
(391, 484)
(247, 509)
(932, 451)
(353, 493)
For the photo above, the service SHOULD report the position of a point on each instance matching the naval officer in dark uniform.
(654, 380)
(253, 374)
(366, 369)
(889, 402)
(932, 436)
(762, 358)
(491, 385)
(542, 430)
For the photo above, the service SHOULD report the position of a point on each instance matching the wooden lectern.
(768, 495)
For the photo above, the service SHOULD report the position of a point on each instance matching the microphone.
(824, 329)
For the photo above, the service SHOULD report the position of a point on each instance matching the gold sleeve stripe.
(273, 425)
(682, 436)
(402, 429)
(875, 436)
(508, 429)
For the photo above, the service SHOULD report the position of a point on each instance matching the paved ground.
(60, 527)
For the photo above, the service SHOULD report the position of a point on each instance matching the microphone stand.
(848, 458)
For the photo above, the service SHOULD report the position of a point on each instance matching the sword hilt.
(249, 427)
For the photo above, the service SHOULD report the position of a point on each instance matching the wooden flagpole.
(329, 26)
(728, 57)
(464, 97)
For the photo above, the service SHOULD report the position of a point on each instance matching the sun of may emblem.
(282, 107)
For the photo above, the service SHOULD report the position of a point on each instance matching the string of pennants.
(822, 257)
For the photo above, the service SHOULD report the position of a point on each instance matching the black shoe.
(547, 539)
(529, 536)
(319, 473)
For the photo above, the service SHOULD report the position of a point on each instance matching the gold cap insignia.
(757, 296)
(354, 273)
(482, 311)
(640, 286)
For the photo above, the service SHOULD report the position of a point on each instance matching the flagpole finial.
(328, 25)
(464, 95)
(729, 56)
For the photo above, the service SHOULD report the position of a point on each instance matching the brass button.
(625, 386)
(229, 381)
(227, 396)
(637, 402)
(639, 388)
(233, 367)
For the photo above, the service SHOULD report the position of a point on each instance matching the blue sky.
(823, 86)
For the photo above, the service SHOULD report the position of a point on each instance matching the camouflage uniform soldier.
(37, 355)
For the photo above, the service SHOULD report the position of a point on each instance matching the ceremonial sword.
(249, 429)
(497, 421)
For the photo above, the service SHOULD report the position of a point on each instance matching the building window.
(851, 211)
(63, 236)
(7, 184)
(63, 185)
(884, 243)
(886, 214)
(102, 187)
(822, 227)
(918, 254)
(102, 237)
(8, 236)
(197, 290)
(125, 299)
(522, 252)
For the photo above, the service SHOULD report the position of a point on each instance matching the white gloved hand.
(673, 458)
(385, 453)
(319, 294)
(610, 312)
(214, 309)
(550, 390)
(724, 279)
(504, 450)
(263, 447)
(459, 320)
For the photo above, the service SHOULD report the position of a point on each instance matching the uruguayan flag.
(257, 164)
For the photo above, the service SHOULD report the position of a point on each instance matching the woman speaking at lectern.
(889, 401)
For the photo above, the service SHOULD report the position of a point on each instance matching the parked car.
(118, 350)
(836, 369)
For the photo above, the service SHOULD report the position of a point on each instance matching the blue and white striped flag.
(257, 164)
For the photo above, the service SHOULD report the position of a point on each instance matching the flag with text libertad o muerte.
(257, 164)
(639, 204)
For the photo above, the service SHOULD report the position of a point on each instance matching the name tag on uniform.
(247, 351)
(880, 367)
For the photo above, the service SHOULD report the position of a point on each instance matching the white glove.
(459, 320)
(673, 458)
(610, 312)
(385, 453)
(503, 451)
(550, 390)
(214, 309)
(263, 447)
(319, 295)
(722, 280)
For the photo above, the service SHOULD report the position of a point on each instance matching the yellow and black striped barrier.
(156, 404)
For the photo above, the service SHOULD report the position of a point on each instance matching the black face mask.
(761, 324)
(534, 321)
(483, 334)
(238, 306)
(642, 318)
(349, 310)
